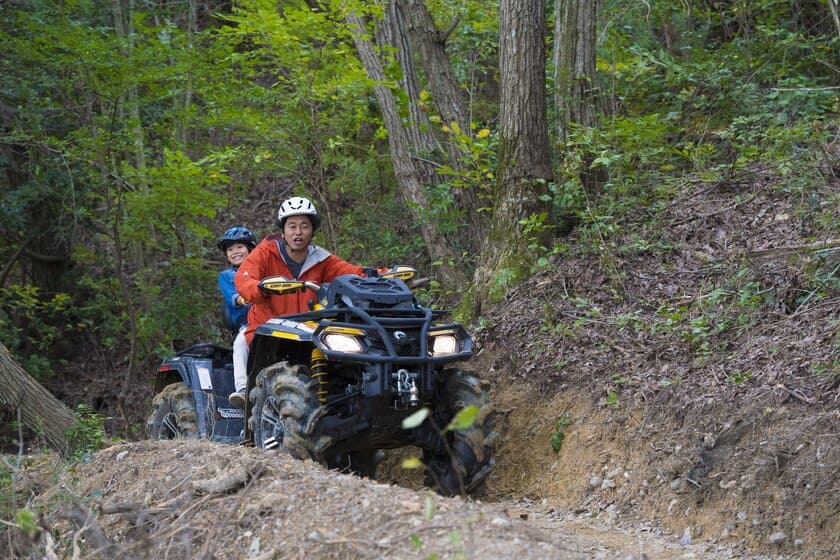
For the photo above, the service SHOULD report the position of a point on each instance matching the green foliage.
(688, 114)
(35, 326)
(700, 329)
(361, 236)
(829, 368)
(463, 420)
(739, 377)
(503, 279)
(320, 129)
(7, 498)
(535, 228)
(126, 148)
(88, 434)
(707, 322)
(473, 48)
(559, 434)
(428, 507)
(713, 67)
(701, 323)
(414, 420)
(26, 520)
(168, 212)
(822, 279)
(416, 541)
(476, 167)
(181, 303)
(102, 309)
(114, 183)
(737, 86)
(456, 540)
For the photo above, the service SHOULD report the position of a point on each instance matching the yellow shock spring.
(318, 370)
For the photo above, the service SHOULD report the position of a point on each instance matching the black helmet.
(237, 234)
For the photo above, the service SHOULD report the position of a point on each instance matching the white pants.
(240, 361)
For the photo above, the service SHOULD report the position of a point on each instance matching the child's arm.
(229, 294)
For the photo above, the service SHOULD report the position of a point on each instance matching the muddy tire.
(464, 470)
(174, 414)
(285, 409)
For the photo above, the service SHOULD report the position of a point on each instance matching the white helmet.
(298, 206)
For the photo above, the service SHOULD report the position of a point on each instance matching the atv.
(335, 384)
(191, 390)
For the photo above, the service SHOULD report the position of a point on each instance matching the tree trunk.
(408, 177)
(191, 30)
(124, 30)
(40, 411)
(574, 64)
(524, 157)
(574, 78)
(418, 128)
(448, 97)
(834, 6)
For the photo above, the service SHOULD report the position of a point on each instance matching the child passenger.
(236, 243)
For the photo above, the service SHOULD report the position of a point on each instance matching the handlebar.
(279, 285)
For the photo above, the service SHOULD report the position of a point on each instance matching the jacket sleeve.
(228, 289)
(253, 269)
(335, 266)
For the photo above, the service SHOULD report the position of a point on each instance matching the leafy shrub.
(88, 434)
(34, 326)
(559, 434)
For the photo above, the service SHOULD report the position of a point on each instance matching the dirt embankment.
(195, 499)
(693, 379)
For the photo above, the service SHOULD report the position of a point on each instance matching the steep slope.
(688, 375)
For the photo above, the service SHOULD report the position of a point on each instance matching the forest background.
(465, 138)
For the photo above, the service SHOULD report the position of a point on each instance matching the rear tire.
(174, 415)
(471, 460)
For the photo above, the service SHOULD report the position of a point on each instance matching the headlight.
(342, 343)
(444, 344)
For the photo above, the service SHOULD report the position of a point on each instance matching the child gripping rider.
(236, 243)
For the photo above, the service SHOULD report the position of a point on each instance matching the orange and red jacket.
(320, 266)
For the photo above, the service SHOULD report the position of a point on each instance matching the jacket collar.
(315, 255)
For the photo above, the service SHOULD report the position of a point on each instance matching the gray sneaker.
(237, 399)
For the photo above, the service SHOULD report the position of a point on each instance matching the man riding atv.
(289, 253)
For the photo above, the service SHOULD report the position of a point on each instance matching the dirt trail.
(190, 499)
